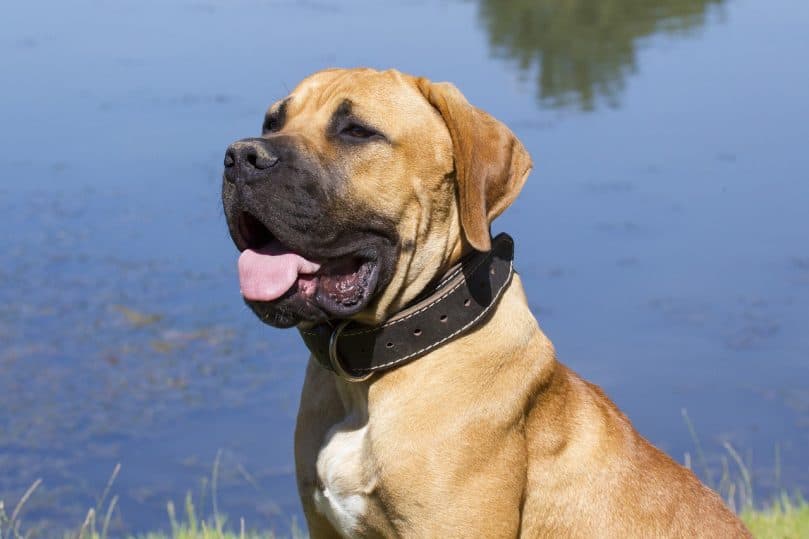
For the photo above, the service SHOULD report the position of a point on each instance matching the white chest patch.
(344, 482)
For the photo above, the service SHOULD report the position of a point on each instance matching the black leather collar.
(458, 303)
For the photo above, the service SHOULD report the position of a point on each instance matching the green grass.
(98, 522)
(787, 517)
(190, 526)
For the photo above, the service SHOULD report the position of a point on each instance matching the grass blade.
(110, 481)
(21, 503)
(700, 453)
(108, 517)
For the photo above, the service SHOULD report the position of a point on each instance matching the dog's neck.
(458, 303)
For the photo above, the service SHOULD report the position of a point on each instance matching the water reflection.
(582, 51)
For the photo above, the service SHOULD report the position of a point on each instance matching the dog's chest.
(345, 480)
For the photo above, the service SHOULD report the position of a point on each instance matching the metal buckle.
(334, 357)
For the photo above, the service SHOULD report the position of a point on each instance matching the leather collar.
(459, 302)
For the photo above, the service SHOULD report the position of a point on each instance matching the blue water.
(662, 236)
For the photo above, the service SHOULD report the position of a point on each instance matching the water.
(662, 236)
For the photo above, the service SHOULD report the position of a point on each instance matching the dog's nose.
(246, 159)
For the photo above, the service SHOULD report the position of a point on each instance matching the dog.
(433, 404)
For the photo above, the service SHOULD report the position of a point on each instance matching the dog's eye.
(357, 131)
(270, 125)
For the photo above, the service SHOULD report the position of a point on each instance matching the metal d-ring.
(334, 357)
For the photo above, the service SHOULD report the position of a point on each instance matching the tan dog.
(363, 189)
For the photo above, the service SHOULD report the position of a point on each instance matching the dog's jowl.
(433, 405)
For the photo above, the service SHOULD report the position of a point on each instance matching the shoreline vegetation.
(787, 517)
(784, 517)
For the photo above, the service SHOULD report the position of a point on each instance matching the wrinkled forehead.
(377, 96)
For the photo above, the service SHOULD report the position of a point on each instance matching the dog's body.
(489, 437)
(486, 436)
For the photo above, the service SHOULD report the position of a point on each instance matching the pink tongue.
(265, 274)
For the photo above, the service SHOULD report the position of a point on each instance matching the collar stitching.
(494, 301)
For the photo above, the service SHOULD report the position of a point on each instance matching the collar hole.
(443, 318)
(416, 332)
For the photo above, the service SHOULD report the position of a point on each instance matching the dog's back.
(592, 475)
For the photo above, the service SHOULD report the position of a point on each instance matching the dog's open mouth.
(269, 270)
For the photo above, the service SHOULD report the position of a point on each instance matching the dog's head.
(363, 187)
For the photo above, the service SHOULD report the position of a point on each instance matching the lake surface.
(663, 236)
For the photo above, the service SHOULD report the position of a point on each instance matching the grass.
(786, 517)
(190, 526)
(97, 523)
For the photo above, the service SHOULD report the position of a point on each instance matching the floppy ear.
(491, 165)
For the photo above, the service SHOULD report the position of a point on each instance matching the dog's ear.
(491, 165)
